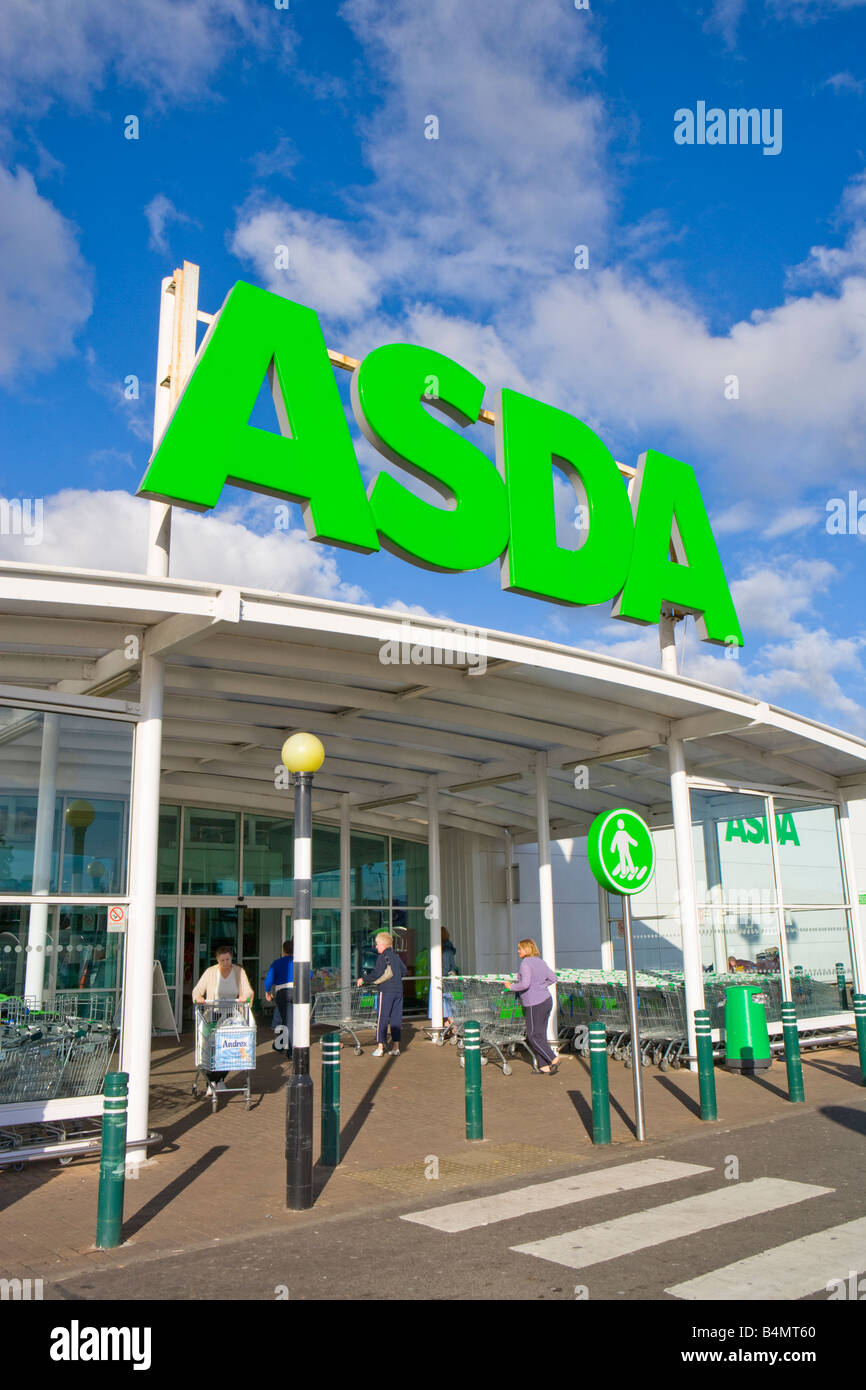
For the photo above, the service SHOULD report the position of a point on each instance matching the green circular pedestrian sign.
(621, 852)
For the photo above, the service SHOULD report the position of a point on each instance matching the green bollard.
(792, 1053)
(600, 1092)
(472, 1072)
(331, 1099)
(706, 1072)
(860, 1021)
(112, 1162)
(842, 984)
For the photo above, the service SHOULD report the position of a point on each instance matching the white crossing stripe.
(787, 1271)
(544, 1196)
(609, 1240)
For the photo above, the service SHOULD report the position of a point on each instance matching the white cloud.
(159, 212)
(280, 161)
(844, 82)
(108, 531)
(66, 51)
(742, 516)
(45, 293)
(324, 268)
(772, 599)
(794, 519)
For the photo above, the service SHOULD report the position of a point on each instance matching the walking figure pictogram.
(621, 844)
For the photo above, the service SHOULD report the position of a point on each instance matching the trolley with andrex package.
(225, 1040)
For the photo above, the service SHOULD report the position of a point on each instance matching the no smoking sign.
(117, 917)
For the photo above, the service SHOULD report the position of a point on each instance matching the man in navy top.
(278, 988)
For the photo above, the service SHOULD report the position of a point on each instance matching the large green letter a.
(669, 515)
(209, 441)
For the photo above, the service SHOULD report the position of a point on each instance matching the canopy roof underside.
(245, 668)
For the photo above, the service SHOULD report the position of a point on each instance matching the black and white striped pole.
(302, 755)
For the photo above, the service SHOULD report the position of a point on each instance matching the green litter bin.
(747, 1042)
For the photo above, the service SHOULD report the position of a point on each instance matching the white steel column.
(606, 940)
(713, 862)
(159, 518)
(687, 892)
(545, 880)
(434, 905)
(668, 643)
(175, 357)
(509, 889)
(858, 944)
(345, 892)
(138, 962)
(37, 925)
(785, 962)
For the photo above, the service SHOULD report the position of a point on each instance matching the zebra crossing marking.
(794, 1270)
(609, 1240)
(544, 1196)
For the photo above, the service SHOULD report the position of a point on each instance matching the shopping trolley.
(497, 1012)
(225, 1040)
(351, 1010)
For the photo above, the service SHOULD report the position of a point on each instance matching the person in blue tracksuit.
(387, 978)
(278, 989)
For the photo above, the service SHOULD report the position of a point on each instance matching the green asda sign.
(757, 832)
(503, 513)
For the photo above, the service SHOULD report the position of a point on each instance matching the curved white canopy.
(244, 668)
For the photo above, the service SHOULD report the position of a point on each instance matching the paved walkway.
(403, 1138)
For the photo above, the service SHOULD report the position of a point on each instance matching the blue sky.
(305, 127)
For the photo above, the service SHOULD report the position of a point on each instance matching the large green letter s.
(669, 512)
(387, 394)
(209, 441)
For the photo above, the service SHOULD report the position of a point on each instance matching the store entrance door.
(253, 934)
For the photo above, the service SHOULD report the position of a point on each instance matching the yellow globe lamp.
(302, 753)
(80, 815)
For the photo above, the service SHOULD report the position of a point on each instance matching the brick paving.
(221, 1175)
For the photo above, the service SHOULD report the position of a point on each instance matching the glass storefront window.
(210, 852)
(89, 956)
(165, 945)
(369, 861)
(168, 853)
(17, 836)
(84, 765)
(93, 845)
(326, 939)
(268, 850)
(365, 925)
(736, 889)
(13, 940)
(809, 859)
(409, 873)
(326, 862)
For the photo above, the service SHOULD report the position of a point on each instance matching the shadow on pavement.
(350, 1131)
(162, 1199)
(584, 1109)
(845, 1115)
(673, 1089)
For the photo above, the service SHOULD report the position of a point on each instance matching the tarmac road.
(783, 1202)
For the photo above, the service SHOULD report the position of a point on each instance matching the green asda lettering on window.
(503, 512)
(758, 834)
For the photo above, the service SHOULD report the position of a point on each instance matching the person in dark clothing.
(278, 988)
(387, 977)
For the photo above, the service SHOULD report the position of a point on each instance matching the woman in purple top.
(533, 979)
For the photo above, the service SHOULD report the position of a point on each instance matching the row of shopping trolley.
(46, 1054)
(595, 998)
